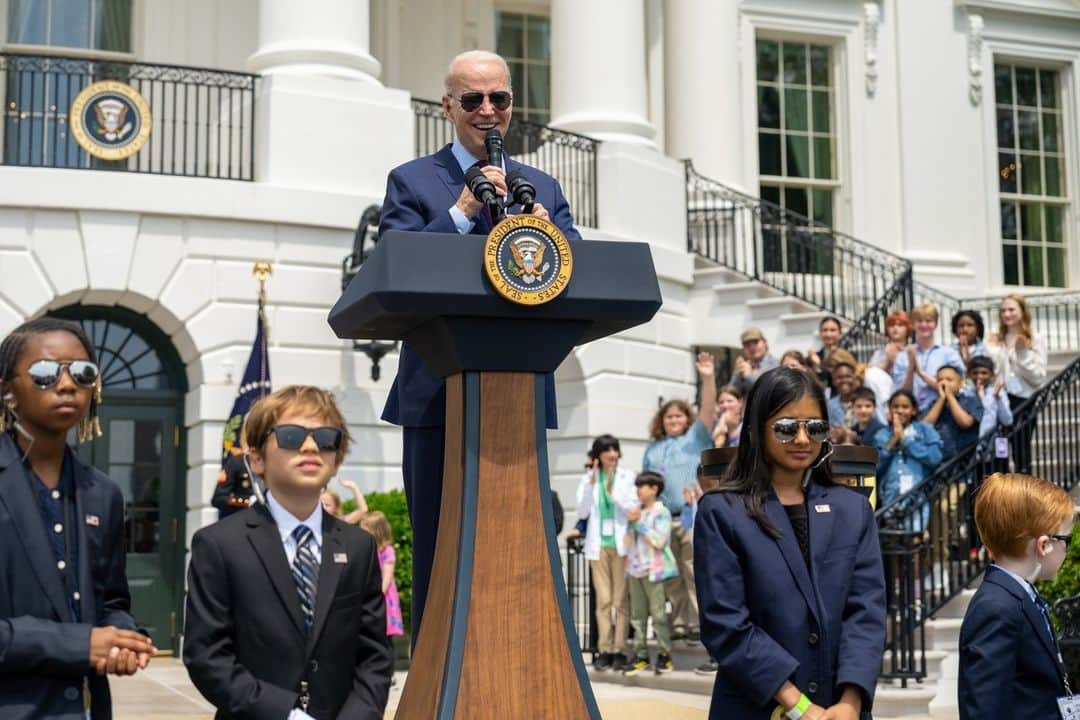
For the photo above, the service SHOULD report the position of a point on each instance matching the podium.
(497, 639)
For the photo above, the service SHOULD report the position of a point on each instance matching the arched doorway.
(141, 449)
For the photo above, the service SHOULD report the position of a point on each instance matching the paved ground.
(163, 692)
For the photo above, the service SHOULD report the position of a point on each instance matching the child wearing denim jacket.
(909, 450)
(649, 562)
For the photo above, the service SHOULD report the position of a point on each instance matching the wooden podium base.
(497, 639)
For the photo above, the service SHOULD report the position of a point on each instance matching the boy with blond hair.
(915, 369)
(285, 611)
(1009, 659)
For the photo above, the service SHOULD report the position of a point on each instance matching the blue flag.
(254, 385)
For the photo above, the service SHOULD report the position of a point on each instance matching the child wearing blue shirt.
(955, 415)
(866, 424)
(995, 401)
(908, 450)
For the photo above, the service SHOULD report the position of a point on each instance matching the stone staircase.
(723, 303)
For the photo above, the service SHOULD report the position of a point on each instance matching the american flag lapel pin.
(93, 521)
(340, 558)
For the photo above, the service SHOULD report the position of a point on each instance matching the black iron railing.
(797, 256)
(568, 157)
(938, 514)
(202, 120)
(1055, 316)
(579, 589)
(1067, 612)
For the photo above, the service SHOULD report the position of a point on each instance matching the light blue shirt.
(677, 458)
(286, 523)
(931, 360)
(465, 160)
(1028, 587)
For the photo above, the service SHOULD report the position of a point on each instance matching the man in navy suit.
(1009, 660)
(429, 195)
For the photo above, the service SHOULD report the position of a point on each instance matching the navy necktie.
(1044, 608)
(305, 572)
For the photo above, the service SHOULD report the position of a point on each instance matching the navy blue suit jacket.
(419, 195)
(44, 656)
(1008, 660)
(766, 618)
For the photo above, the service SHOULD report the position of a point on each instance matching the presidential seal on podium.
(528, 260)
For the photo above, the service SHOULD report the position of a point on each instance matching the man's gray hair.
(474, 56)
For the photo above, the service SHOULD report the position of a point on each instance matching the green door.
(141, 451)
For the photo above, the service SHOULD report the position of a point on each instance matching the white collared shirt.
(286, 523)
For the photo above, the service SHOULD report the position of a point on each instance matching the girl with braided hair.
(65, 608)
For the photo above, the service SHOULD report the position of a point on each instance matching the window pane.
(517, 79)
(536, 38)
(1007, 172)
(769, 154)
(1008, 221)
(768, 60)
(823, 158)
(1053, 176)
(1031, 223)
(1030, 175)
(1050, 131)
(113, 25)
(1026, 93)
(1033, 264)
(795, 110)
(1010, 265)
(822, 206)
(798, 156)
(819, 66)
(795, 63)
(1002, 85)
(795, 200)
(821, 111)
(1055, 230)
(1028, 122)
(1055, 265)
(70, 24)
(1048, 88)
(538, 85)
(768, 107)
(1005, 129)
(770, 193)
(509, 35)
(27, 22)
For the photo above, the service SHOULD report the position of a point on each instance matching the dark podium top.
(430, 290)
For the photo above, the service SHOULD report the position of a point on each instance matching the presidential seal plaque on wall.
(528, 260)
(110, 120)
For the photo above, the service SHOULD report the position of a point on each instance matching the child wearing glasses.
(1009, 658)
(65, 609)
(908, 449)
(789, 572)
(285, 609)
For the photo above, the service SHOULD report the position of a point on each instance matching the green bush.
(392, 504)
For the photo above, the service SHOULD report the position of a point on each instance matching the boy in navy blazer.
(1009, 660)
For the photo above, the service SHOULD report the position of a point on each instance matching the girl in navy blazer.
(789, 573)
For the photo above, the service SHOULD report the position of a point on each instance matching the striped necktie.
(305, 572)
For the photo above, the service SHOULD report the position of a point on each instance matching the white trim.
(1044, 8)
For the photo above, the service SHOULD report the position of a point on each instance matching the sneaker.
(602, 662)
(707, 668)
(663, 663)
(638, 665)
(693, 638)
(678, 633)
(619, 662)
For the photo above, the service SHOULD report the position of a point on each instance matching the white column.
(598, 70)
(323, 121)
(705, 106)
(328, 37)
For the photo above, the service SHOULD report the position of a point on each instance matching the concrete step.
(956, 607)
(717, 274)
(893, 701)
(802, 323)
(735, 293)
(943, 634)
(934, 658)
(776, 307)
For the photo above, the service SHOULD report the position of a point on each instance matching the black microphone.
(521, 190)
(481, 188)
(493, 143)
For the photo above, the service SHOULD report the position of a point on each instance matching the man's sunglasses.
(471, 101)
(787, 429)
(46, 373)
(292, 437)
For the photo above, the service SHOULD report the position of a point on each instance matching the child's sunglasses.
(471, 101)
(292, 437)
(787, 429)
(46, 373)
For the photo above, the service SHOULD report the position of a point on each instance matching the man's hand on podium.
(469, 204)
